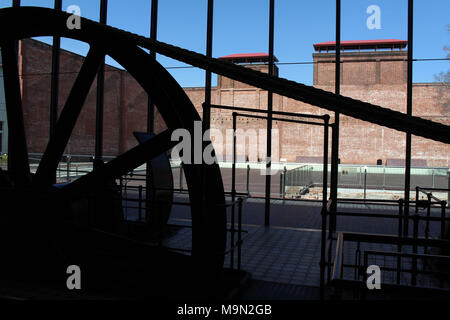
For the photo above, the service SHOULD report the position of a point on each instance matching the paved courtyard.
(288, 251)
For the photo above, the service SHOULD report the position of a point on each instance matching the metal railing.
(72, 167)
(403, 263)
(413, 247)
(370, 177)
(137, 203)
(427, 204)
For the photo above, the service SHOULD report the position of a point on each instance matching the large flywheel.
(41, 230)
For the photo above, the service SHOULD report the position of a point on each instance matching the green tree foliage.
(444, 78)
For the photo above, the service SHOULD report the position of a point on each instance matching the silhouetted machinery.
(45, 228)
(160, 197)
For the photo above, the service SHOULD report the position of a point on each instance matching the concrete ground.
(288, 252)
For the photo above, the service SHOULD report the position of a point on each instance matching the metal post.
(269, 115)
(150, 113)
(68, 168)
(153, 35)
(181, 177)
(248, 179)
(284, 182)
(55, 76)
(427, 227)
(232, 228)
(448, 186)
(415, 236)
(409, 105)
(126, 198)
(417, 200)
(15, 3)
(400, 236)
(443, 205)
(206, 109)
(324, 211)
(366, 264)
(233, 165)
(365, 183)
(325, 164)
(140, 203)
(54, 89)
(281, 185)
(400, 218)
(239, 233)
(427, 222)
(100, 96)
(335, 132)
(209, 40)
(233, 190)
(357, 260)
(333, 176)
(406, 221)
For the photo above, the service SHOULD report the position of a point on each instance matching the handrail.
(430, 194)
(338, 257)
(338, 281)
(433, 189)
(406, 254)
(281, 113)
(234, 244)
(401, 240)
(389, 287)
(329, 204)
(414, 271)
(391, 239)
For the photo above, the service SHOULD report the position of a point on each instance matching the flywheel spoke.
(18, 163)
(69, 115)
(126, 162)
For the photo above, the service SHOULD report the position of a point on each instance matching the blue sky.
(242, 26)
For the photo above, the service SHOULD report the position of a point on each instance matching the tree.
(444, 78)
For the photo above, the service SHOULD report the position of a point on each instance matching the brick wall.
(361, 68)
(125, 106)
(227, 83)
(381, 82)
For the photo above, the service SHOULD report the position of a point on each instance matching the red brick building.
(372, 71)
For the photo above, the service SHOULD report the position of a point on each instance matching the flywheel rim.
(208, 220)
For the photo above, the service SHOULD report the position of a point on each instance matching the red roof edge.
(363, 44)
(248, 57)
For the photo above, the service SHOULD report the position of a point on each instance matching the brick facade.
(125, 103)
(379, 78)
